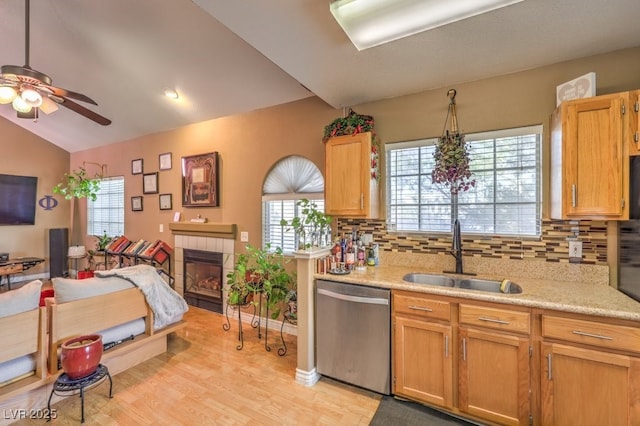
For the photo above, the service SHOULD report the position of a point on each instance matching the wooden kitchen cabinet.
(495, 364)
(350, 190)
(590, 374)
(634, 122)
(489, 370)
(589, 158)
(422, 355)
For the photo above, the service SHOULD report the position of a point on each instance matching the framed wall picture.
(136, 204)
(150, 183)
(136, 166)
(165, 202)
(165, 161)
(200, 180)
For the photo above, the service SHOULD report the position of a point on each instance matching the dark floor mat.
(405, 413)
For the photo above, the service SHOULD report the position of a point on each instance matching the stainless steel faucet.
(456, 246)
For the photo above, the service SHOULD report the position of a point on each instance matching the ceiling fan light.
(171, 93)
(7, 94)
(31, 97)
(20, 105)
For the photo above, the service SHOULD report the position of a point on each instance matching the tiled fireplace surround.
(218, 238)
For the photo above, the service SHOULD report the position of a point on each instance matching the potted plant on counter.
(312, 227)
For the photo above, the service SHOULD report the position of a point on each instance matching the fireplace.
(203, 279)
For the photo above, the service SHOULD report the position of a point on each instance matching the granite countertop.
(576, 297)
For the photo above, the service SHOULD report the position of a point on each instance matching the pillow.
(67, 290)
(25, 298)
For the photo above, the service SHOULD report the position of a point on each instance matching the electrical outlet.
(575, 249)
(244, 237)
(161, 227)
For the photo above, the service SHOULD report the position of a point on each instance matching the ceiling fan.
(30, 91)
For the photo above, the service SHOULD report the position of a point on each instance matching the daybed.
(23, 332)
(133, 309)
(116, 305)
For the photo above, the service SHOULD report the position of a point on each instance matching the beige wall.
(23, 153)
(249, 144)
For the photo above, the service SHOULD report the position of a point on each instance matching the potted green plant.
(260, 271)
(79, 185)
(312, 227)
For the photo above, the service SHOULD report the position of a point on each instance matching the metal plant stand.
(227, 326)
(65, 386)
(290, 316)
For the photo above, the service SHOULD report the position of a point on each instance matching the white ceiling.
(229, 57)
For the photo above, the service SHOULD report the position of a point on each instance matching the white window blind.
(504, 201)
(106, 214)
(273, 211)
(290, 180)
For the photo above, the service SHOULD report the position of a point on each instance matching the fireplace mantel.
(215, 230)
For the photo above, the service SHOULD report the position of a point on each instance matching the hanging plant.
(77, 184)
(451, 156)
(353, 124)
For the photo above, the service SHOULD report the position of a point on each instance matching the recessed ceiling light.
(170, 93)
(369, 23)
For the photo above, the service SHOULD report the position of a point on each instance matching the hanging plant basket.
(353, 124)
(451, 156)
(78, 184)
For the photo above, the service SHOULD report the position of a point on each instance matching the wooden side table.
(65, 386)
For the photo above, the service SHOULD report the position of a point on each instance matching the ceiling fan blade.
(83, 111)
(48, 106)
(64, 93)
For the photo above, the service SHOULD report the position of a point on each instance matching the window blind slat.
(106, 213)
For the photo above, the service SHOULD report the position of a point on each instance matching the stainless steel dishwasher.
(353, 334)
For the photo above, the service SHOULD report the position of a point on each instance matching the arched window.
(291, 179)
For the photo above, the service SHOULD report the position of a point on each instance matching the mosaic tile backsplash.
(552, 246)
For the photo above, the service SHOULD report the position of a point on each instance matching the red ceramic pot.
(81, 355)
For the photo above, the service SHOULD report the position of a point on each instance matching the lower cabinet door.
(423, 366)
(589, 387)
(494, 376)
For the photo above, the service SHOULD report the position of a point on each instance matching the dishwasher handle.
(357, 299)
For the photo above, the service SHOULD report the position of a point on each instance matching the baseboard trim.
(307, 378)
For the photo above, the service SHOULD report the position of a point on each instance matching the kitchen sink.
(439, 280)
(464, 283)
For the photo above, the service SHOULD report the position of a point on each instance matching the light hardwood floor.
(204, 380)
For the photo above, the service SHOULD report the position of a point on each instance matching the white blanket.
(167, 305)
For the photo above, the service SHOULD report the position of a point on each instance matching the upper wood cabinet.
(589, 158)
(634, 122)
(349, 188)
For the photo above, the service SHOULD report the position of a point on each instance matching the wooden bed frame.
(24, 334)
(87, 316)
(43, 331)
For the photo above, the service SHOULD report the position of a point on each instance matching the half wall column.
(306, 373)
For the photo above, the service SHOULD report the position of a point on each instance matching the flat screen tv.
(18, 200)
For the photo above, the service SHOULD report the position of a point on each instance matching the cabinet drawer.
(501, 319)
(591, 333)
(421, 306)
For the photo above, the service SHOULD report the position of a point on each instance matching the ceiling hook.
(452, 95)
